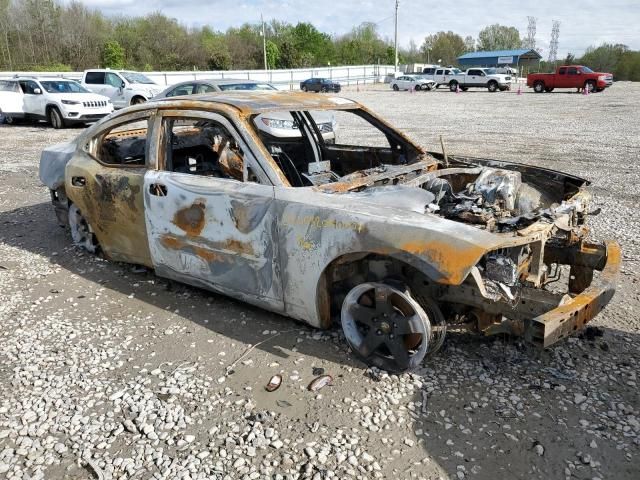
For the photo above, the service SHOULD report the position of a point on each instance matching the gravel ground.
(110, 372)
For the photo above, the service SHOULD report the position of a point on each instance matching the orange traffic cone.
(585, 90)
(519, 90)
(457, 88)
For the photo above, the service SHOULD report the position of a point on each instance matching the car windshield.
(63, 86)
(135, 77)
(490, 71)
(348, 144)
(587, 70)
(7, 86)
(246, 86)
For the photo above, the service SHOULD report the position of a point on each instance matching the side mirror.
(579, 72)
(122, 85)
(37, 91)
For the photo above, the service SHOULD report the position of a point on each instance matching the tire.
(304, 88)
(464, 89)
(538, 86)
(492, 86)
(137, 100)
(323, 90)
(395, 87)
(548, 89)
(453, 86)
(55, 118)
(81, 232)
(591, 85)
(385, 326)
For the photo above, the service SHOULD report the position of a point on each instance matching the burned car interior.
(309, 159)
(349, 221)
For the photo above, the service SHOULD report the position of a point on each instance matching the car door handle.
(158, 190)
(78, 181)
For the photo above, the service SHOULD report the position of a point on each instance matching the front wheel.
(492, 86)
(324, 90)
(385, 326)
(538, 87)
(591, 85)
(453, 86)
(55, 118)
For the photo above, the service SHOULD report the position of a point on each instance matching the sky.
(582, 22)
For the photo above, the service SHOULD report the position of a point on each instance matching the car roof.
(262, 101)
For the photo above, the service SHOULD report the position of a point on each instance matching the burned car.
(395, 243)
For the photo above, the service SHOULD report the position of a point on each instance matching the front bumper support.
(547, 328)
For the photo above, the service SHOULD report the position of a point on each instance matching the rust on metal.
(191, 219)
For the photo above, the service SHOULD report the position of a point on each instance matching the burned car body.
(397, 243)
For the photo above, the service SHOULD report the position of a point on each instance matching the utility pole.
(264, 43)
(396, 39)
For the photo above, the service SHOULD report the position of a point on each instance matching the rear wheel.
(81, 232)
(538, 87)
(55, 118)
(304, 88)
(395, 87)
(385, 326)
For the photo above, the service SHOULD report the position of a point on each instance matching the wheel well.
(136, 97)
(50, 107)
(347, 271)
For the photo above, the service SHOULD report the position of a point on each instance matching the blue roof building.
(513, 58)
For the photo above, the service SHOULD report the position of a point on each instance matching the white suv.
(60, 101)
(124, 88)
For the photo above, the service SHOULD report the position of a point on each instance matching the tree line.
(47, 35)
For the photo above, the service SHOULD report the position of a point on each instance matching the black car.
(319, 85)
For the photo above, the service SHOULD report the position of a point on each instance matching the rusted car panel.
(215, 233)
(396, 242)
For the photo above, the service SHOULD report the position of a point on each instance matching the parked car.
(60, 101)
(478, 77)
(374, 232)
(279, 124)
(320, 85)
(11, 105)
(570, 76)
(195, 87)
(440, 74)
(412, 82)
(123, 87)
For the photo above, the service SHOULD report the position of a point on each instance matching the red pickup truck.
(570, 76)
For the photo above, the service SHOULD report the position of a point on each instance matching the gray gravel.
(110, 372)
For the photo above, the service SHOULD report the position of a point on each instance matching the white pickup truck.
(477, 77)
(123, 87)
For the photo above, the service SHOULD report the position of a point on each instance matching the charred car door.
(105, 181)
(210, 212)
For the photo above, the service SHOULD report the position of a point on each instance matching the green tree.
(604, 58)
(273, 54)
(112, 55)
(498, 37)
(443, 47)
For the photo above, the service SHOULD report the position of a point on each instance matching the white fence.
(282, 79)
